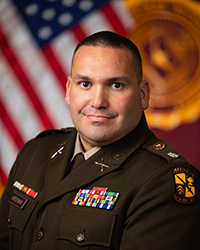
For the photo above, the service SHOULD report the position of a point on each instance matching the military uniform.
(137, 193)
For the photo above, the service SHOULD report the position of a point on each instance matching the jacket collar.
(112, 156)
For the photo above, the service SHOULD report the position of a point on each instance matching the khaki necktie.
(78, 159)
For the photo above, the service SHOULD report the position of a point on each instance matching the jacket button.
(80, 237)
(40, 235)
(9, 221)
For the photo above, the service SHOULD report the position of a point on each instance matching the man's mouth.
(99, 117)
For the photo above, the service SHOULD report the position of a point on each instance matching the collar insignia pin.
(102, 165)
(59, 151)
(117, 156)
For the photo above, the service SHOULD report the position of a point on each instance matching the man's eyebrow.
(111, 79)
(119, 79)
(80, 77)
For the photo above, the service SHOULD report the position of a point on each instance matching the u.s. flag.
(37, 39)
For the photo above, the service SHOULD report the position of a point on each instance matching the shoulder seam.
(164, 150)
(49, 132)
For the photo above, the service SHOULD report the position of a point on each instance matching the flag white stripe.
(17, 104)
(123, 13)
(9, 19)
(95, 22)
(63, 46)
(8, 150)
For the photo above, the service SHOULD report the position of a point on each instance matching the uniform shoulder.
(185, 177)
(50, 132)
(166, 151)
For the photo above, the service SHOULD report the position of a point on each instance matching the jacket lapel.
(58, 161)
(87, 172)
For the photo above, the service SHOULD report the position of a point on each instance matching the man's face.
(104, 96)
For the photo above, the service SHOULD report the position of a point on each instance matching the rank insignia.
(25, 189)
(173, 155)
(184, 182)
(97, 197)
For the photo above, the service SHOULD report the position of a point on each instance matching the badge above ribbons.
(184, 185)
(97, 197)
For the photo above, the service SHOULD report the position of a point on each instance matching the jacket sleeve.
(155, 220)
(4, 204)
(4, 242)
(4, 210)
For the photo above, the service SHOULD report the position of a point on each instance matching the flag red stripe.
(55, 65)
(9, 124)
(2, 176)
(78, 32)
(114, 19)
(24, 81)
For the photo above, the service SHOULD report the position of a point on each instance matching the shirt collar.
(79, 149)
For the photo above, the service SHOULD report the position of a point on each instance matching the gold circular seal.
(167, 34)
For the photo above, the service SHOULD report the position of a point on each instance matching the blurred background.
(37, 39)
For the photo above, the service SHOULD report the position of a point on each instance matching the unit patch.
(97, 197)
(184, 182)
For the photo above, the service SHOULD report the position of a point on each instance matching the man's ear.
(68, 87)
(145, 94)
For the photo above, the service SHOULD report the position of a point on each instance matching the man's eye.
(117, 85)
(85, 85)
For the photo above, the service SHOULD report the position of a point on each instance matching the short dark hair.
(113, 40)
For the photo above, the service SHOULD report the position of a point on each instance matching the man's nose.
(99, 98)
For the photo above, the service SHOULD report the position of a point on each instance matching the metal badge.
(102, 165)
(173, 155)
(159, 146)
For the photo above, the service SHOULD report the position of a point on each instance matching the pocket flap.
(19, 215)
(87, 226)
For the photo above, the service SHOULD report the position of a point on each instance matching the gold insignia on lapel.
(117, 156)
(184, 184)
(63, 143)
(102, 165)
(59, 151)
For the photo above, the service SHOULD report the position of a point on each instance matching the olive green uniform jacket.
(158, 206)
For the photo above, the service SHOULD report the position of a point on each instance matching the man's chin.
(94, 139)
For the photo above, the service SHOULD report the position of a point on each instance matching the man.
(133, 191)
